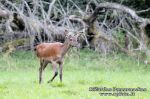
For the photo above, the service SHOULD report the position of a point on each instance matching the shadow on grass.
(57, 84)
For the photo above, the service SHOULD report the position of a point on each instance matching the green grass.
(76, 83)
(19, 76)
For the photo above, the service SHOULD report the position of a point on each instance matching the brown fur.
(49, 51)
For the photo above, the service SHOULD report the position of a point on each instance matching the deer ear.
(66, 32)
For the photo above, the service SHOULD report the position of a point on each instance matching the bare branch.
(50, 8)
(4, 13)
(143, 11)
(116, 6)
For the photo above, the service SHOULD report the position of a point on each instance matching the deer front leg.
(60, 70)
(55, 71)
(45, 64)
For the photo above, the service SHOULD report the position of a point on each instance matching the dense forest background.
(105, 26)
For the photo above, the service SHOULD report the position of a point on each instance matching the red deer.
(54, 53)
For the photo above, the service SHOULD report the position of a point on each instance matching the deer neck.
(66, 47)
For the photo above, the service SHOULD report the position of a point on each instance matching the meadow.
(82, 70)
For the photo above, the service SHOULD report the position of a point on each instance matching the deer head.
(72, 38)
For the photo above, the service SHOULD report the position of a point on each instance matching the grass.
(19, 76)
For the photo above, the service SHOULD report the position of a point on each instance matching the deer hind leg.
(40, 71)
(55, 72)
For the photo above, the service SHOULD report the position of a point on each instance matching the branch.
(75, 18)
(116, 6)
(50, 8)
(143, 11)
(4, 13)
(116, 43)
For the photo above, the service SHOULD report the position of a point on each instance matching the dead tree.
(100, 24)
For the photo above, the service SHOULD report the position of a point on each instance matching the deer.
(54, 53)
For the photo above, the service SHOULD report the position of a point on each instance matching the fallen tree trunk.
(9, 37)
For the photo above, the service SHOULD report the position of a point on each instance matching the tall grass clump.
(83, 59)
